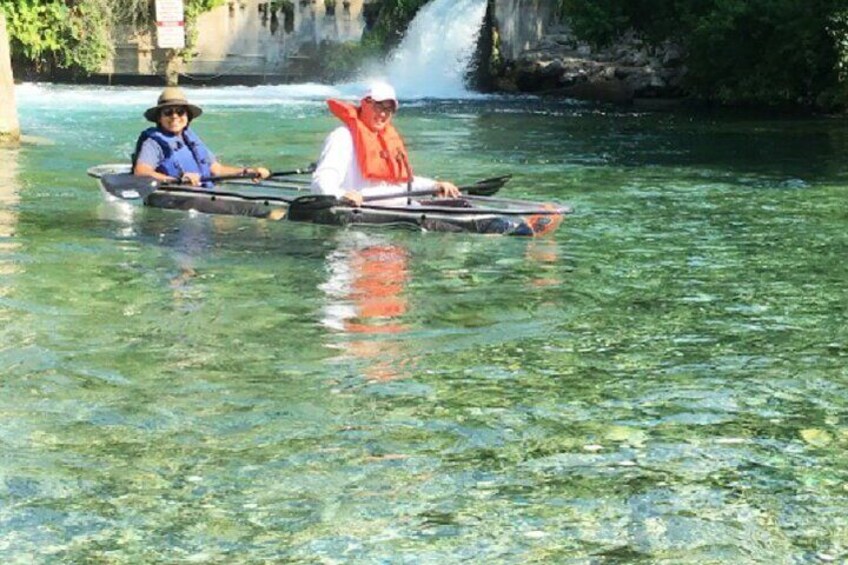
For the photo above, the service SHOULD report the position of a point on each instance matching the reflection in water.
(188, 235)
(365, 291)
(121, 212)
(680, 392)
(544, 255)
(9, 198)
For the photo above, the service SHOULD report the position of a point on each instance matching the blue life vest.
(184, 153)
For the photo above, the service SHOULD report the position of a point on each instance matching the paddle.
(219, 178)
(128, 186)
(308, 170)
(311, 203)
(486, 187)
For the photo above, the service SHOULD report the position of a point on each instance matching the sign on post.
(170, 24)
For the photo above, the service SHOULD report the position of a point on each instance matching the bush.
(59, 34)
(772, 52)
(392, 19)
(333, 62)
(76, 34)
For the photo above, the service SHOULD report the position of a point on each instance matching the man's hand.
(447, 189)
(353, 197)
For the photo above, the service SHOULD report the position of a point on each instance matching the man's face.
(377, 115)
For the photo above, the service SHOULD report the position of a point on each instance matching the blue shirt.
(151, 154)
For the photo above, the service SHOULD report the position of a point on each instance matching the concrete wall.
(521, 23)
(243, 38)
(9, 126)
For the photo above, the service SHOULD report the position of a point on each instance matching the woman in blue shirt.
(172, 152)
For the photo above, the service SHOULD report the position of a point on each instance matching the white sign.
(170, 24)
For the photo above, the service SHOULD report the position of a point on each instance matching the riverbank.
(524, 48)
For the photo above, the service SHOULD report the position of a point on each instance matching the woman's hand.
(190, 178)
(258, 173)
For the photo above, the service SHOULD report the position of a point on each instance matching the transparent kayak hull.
(279, 200)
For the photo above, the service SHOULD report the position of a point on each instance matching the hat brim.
(152, 114)
(370, 97)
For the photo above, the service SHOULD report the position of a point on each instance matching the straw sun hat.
(172, 96)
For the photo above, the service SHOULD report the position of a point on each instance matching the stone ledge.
(630, 68)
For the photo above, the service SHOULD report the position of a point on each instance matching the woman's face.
(173, 119)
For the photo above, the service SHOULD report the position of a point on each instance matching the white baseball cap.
(380, 92)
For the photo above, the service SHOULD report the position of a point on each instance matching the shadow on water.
(543, 133)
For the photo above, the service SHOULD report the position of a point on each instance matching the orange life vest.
(381, 155)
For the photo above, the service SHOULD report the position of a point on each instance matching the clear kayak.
(474, 212)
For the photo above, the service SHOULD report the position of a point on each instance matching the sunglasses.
(386, 106)
(168, 112)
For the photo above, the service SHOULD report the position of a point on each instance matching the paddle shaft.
(127, 186)
(315, 202)
(482, 188)
(245, 175)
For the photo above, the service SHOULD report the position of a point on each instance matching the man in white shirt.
(366, 156)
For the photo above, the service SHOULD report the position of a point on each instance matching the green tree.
(76, 34)
(388, 21)
(773, 52)
(59, 34)
(392, 19)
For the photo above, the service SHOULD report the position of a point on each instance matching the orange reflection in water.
(544, 255)
(366, 290)
(380, 276)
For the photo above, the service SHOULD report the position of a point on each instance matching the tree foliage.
(387, 23)
(740, 51)
(77, 34)
(56, 33)
(392, 19)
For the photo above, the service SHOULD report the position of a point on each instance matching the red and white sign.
(170, 24)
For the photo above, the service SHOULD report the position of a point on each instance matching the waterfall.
(434, 55)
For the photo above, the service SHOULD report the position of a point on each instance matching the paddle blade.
(486, 187)
(305, 207)
(128, 186)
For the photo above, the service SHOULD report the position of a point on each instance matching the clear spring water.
(663, 381)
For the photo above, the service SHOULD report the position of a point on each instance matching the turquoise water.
(662, 381)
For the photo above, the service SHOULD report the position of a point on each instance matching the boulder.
(628, 69)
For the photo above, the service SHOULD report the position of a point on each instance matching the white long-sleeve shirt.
(338, 172)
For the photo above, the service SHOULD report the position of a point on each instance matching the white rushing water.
(430, 62)
(434, 55)
(110, 98)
